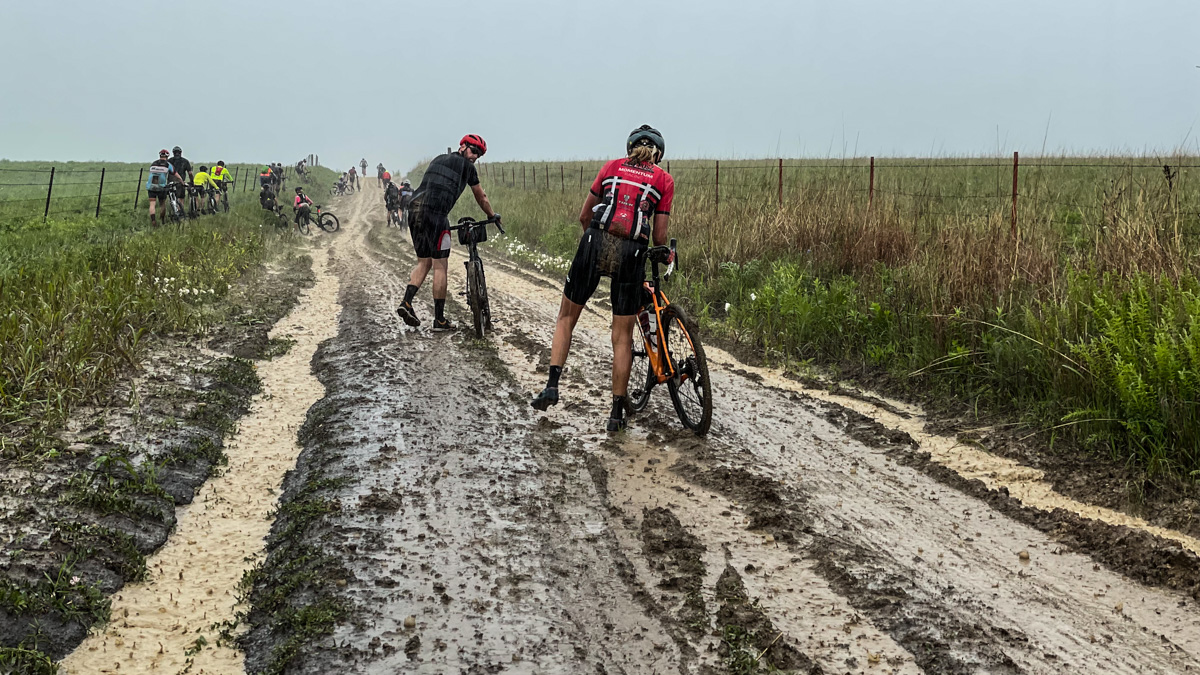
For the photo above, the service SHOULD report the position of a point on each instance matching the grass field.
(1086, 323)
(79, 296)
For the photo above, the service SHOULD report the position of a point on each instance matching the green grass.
(1082, 324)
(79, 295)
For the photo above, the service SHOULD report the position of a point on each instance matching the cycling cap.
(475, 140)
(387, 176)
(646, 132)
(163, 153)
(177, 149)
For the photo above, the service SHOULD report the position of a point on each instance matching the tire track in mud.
(907, 552)
(171, 622)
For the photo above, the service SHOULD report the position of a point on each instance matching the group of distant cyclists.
(172, 176)
(626, 211)
(272, 178)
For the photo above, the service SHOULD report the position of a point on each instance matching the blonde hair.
(645, 154)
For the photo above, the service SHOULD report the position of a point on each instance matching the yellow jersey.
(220, 174)
(204, 179)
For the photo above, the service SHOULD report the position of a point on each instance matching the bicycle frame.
(660, 359)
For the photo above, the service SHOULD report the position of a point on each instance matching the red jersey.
(630, 196)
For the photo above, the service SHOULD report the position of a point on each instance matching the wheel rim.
(639, 374)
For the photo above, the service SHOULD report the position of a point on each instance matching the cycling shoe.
(547, 398)
(405, 311)
(444, 324)
(616, 424)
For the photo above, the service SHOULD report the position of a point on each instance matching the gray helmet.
(648, 133)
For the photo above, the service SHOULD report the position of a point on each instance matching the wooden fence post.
(871, 187)
(137, 189)
(522, 176)
(562, 176)
(1014, 197)
(49, 191)
(781, 182)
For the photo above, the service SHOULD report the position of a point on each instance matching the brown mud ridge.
(77, 526)
(435, 523)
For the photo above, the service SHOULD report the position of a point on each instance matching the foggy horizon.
(543, 81)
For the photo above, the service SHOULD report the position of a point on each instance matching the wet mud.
(78, 522)
(435, 523)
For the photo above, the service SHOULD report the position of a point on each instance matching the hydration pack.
(628, 205)
(159, 177)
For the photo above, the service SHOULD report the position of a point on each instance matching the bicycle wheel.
(175, 210)
(641, 375)
(328, 222)
(225, 201)
(302, 225)
(690, 389)
(212, 204)
(477, 297)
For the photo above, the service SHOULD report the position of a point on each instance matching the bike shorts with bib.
(602, 254)
(430, 233)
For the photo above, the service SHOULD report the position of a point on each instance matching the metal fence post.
(562, 176)
(49, 191)
(718, 188)
(1014, 197)
(533, 169)
(522, 176)
(137, 188)
(100, 192)
(781, 182)
(871, 187)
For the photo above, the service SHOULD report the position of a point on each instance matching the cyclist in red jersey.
(628, 207)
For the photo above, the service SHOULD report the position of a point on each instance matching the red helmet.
(387, 175)
(475, 140)
(164, 153)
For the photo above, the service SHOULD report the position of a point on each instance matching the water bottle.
(649, 328)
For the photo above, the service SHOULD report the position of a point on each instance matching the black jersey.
(444, 181)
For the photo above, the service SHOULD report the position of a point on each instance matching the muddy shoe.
(444, 325)
(547, 398)
(616, 424)
(405, 311)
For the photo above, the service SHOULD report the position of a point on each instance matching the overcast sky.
(558, 79)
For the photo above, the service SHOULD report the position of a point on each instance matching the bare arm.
(585, 215)
(482, 199)
(659, 233)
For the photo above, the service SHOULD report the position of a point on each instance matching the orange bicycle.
(670, 352)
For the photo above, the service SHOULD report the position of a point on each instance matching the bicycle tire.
(641, 375)
(477, 296)
(302, 225)
(175, 211)
(225, 201)
(328, 222)
(212, 204)
(691, 390)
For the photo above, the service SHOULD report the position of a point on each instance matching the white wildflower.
(75, 581)
(727, 306)
(752, 297)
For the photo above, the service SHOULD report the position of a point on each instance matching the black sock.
(439, 309)
(555, 373)
(410, 293)
(618, 410)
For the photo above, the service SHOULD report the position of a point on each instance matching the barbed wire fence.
(59, 190)
(1084, 188)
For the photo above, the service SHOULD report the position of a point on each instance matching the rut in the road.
(172, 621)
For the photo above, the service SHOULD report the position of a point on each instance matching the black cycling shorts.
(430, 233)
(601, 254)
(160, 194)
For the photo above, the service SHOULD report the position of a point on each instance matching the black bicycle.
(175, 202)
(225, 196)
(471, 233)
(323, 219)
(210, 200)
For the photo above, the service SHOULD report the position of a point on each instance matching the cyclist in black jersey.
(444, 181)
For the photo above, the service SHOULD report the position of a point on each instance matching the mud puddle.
(172, 622)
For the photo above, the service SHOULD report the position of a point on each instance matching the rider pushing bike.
(441, 186)
(628, 206)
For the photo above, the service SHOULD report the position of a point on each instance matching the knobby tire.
(691, 390)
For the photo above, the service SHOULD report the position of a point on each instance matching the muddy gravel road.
(435, 523)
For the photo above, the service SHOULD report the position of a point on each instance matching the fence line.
(709, 176)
